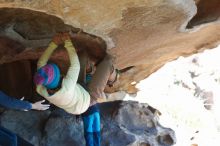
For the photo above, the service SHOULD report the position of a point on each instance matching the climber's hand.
(39, 106)
(57, 39)
(65, 36)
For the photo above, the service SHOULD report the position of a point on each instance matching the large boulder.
(122, 124)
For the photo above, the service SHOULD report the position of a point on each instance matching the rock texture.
(123, 124)
(142, 35)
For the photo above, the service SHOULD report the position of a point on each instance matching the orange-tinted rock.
(143, 35)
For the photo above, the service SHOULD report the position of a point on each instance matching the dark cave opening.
(207, 11)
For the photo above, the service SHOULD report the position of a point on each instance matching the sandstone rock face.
(142, 35)
(123, 124)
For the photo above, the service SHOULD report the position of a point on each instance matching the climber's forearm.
(46, 55)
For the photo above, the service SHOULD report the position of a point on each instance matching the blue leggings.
(7, 138)
(91, 121)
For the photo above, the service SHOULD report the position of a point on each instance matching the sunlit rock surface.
(142, 35)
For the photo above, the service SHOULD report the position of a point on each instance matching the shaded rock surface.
(207, 11)
(123, 124)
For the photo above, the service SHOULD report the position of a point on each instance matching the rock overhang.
(142, 35)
